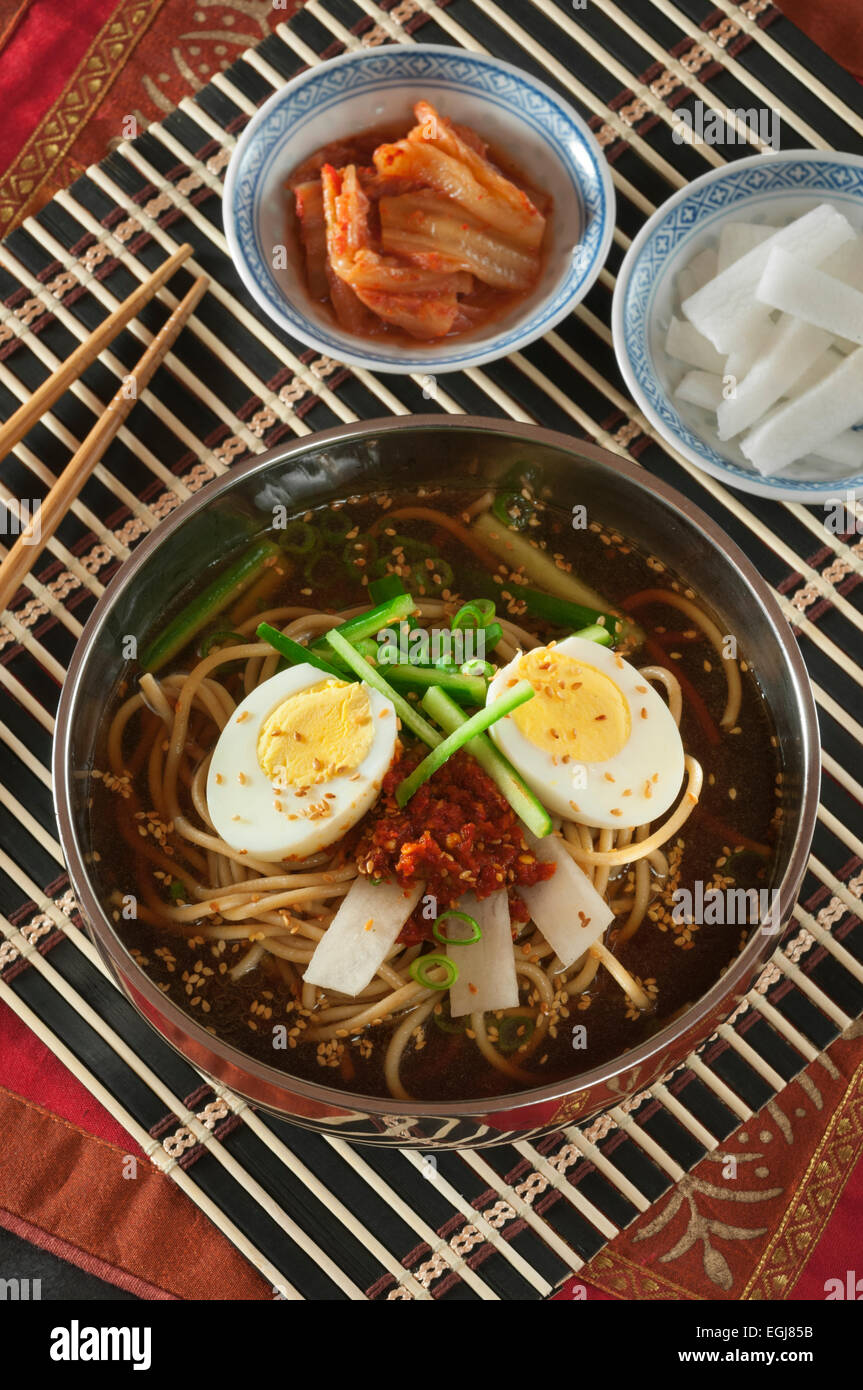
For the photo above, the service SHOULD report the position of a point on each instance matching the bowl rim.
(517, 339)
(109, 941)
(779, 490)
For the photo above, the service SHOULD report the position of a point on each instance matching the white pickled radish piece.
(697, 273)
(809, 421)
(788, 283)
(846, 264)
(723, 309)
(794, 346)
(486, 968)
(821, 367)
(704, 266)
(845, 448)
(701, 388)
(737, 239)
(363, 930)
(566, 907)
(752, 344)
(686, 344)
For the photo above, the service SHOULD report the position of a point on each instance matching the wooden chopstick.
(17, 563)
(53, 387)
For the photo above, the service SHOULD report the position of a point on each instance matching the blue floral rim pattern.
(704, 205)
(502, 87)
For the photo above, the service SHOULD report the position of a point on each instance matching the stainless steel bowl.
(404, 453)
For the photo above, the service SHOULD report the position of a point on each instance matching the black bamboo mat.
(318, 1218)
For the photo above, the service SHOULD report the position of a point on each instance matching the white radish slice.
(737, 239)
(788, 283)
(845, 448)
(686, 344)
(820, 368)
(794, 348)
(753, 342)
(357, 940)
(567, 908)
(698, 272)
(846, 264)
(486, 968)
(704, 266)
(723, 309)
(701, 388)
(808, 422)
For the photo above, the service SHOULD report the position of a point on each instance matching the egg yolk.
(323, 732)
(577, 711)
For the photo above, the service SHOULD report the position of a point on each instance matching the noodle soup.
(442, 876)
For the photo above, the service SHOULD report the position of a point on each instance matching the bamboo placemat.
(321, 1219)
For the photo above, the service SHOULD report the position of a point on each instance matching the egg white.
(653, 749)
(244, 812)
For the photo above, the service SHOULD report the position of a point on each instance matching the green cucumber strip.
(520, 693)
(292, 651)
(501, 771)
(217, 596)
(407, 714)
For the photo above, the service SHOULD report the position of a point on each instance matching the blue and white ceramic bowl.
(771, 189)
(377, 87)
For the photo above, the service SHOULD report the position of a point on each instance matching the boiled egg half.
(597, 744)
(298, 763)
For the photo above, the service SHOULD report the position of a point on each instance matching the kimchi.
(425, 236)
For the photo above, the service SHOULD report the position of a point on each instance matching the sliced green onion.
(335, 526)
(499, 768)
(292, 651)
(468, 689)
(420, 967)
(509, 1038)
(522, 474)
(474, 615)
(445, 1021)
(491, 636)
(412, 549)
(745, 864)
(389, 586)
(299, 538)
(373, 621)
(476, 667)
(513, 510)
(217, 596)
(595, 633)
(562, 613)
(223, 638)
(520, 693)
(318, 568)
(436, 579)
(358, 664)
(363, 547)
(475, 929)
(178, 891)
(542, 569)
